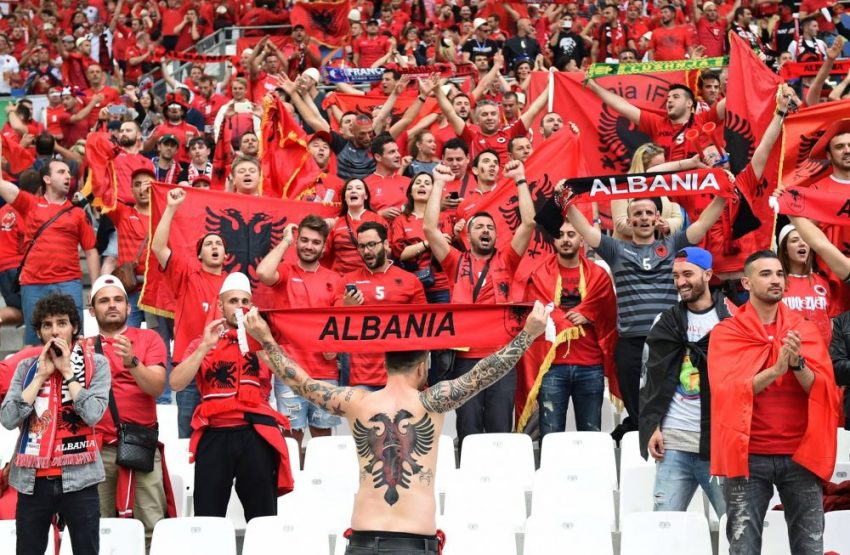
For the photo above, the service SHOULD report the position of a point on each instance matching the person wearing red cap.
(319, 183)
(175, 125)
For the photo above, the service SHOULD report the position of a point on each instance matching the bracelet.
(780, 113)
(421, 98)
(522, 181)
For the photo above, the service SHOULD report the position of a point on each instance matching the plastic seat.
(118, 536)
(268, 534)
(630, 454)
(332, 498)
(477, 535)
(8, 538)
(842, 454)
(509, 455)
(774, 535)
(841, 473)
(553, 487)
(577, 535)
(835, 535)
(492, 500)
(8, 444)
(636, 490)
(166, 417)
(574, 451)
(665, 533)
(332, 455)
(197, 535)
(608, 413)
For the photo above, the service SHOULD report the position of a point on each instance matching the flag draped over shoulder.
(381, 328)
(802, 130)
(326, 21)
(598, 304)
(750, 103)
(822, 206)
(365, 104)
(102, 181)
(283, 149)
(249, 227)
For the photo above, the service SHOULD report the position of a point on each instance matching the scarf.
(192, 172)
(54, 434)
(170, 174)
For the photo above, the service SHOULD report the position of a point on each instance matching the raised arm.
(591, 234)
(539, 103)
(185, 372)
(771, 134)
(267, 268)
(697, 230)
(449, 395)
(159, 241)
(334, 399)
(311, 117)
(834, 51)
(490, 76)
(437, 242)
(454, 120)
(616, 102)
(515, 171)
(814, 237)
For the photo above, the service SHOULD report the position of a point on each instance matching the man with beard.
(485, 170)
(129, 159)
(709, 90)
(370, 47)
(304, 284)
(208, 101)
(482, 275)
(165, 165)
(97, 85)
(199, 151)
(445, 132)
(670, 41)
(195, 288)
(245, 176)
(236, 435)
(771, 427)
(378, 281)
(667, 131)
(249, 144)
(711, 29)
(52, 260)
(388, 188)
(137, 360)
(610, 36)
(175, 126)
(675, 407)
(551, 123)
(640, 268)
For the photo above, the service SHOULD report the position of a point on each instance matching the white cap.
(783, 233)
(478, 22)
(106, 280)
(91, 13)
(236, 281)
(354, 15)
(313, 74)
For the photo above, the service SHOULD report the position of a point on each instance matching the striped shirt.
(643, 279)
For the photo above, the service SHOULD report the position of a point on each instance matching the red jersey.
(840, 237)
(54, 257)
(11, 238)
(387, 192)
(392, 286)
(303, 289)
(340, 250)
(209, 108)
(712, 36)
(171, 18)
(370, 50)
(670, 43)
(584, 351)
(810, 296)
(406, 231)
(196, 300)
(72, 131)
(612, 41)
(814, 7)
(183, 131)
(133, 72)
(110, 96)
(52, 115)
(132, 227)
(134, 405)
(672, 137)
(498, 142)
(125, 164)
(780, 414)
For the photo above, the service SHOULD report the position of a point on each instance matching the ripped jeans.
(747, 502)
(585, 384)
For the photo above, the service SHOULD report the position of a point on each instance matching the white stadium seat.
(636, 490)
(477, 536)
(197, 535)
(118, 536)
(567, 493)
(270, 534)
(332, 456)
(166, 417)
(841, 473)
(571, 451)
(491, 500)
(665, 533)
(576, 535)
(500, 455)
(836, 534)
(8, 538)
(842, 454)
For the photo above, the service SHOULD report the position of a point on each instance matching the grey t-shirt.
(350, 160)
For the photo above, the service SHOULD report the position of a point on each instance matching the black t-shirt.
(570, 46)
(520, 47)
(487, 46)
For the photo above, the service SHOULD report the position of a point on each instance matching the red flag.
(822, 206)
(326, 21)
(366, 104)
(249, 226)
(381, 328)
(802, 131)
(102, 180)
(283, 149)
(19, 158)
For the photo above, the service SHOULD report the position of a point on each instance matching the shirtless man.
(400, 512)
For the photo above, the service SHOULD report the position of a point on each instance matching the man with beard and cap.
(129, 159)
(165, 164)
(195, 288)
(482, 275)
(774, 411)
(137, 360)
(377, 281)
(236, 434)
(304, 284)
(175, 125)
(675, 409)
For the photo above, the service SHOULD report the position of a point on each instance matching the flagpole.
(551, 90)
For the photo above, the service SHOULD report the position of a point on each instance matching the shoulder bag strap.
(481, 279)
(113, 407)
(38, 233)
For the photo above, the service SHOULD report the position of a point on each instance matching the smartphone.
(116, 109)
(242, 107)
(454, 195)
(350, 288)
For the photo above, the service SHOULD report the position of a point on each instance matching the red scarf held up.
(651, 185)
(739, 349)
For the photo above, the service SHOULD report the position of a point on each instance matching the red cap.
(323, 135)
(821, 147)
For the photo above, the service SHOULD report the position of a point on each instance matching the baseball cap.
(142, 170)
(106, 280)
(168, 137)
(695, 255)
(323, 135)
(478, 22)
(354, 15)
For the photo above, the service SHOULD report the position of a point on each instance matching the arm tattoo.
(449, 395)
(331, 398)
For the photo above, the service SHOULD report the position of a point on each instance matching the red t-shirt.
(125, 165)
(171, 18)
(584, 351)
(387, 192)
(810, 296)
(132, 227)
(370, 50)
(498, 142)
(394, 286)
(303, 289)
(110, 96)
(183, 131)
(611, 41)
(340, 250)
(134, 405)
(814, 6)
(54, 258)
(196, 299)
(11, 239)
(780, 414)
(670, 44)
(672, 138)
(209, 108)
(52, 115)
(72, 131)
(712, 36)
(133, 72)
(406, 231)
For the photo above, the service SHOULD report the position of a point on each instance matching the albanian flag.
(366, 104)
(102, 181)
(381, 328)
(249, 226)
(802, 131)
(325, 21)
(283, 149)
(822, 206)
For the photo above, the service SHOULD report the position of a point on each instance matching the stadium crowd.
(399, 139)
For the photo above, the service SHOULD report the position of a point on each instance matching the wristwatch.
(801, 363)
(133, 363)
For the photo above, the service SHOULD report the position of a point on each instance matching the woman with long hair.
(341, 249)
(423, 149)
(408, 242)
(806, 291)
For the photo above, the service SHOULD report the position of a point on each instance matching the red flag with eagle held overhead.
(326, 22)
(283, 149)
(367, 104)
(802, 131)
(250, 227)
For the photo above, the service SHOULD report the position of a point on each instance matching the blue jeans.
(30, 294)
(187, 401)
(438, 297)
(34, 514)
(136, 315)
(490, 411)
(747, 502)
(585, 384)
(676, 479)
(301, 412)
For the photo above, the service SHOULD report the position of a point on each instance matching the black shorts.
(7, 288)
